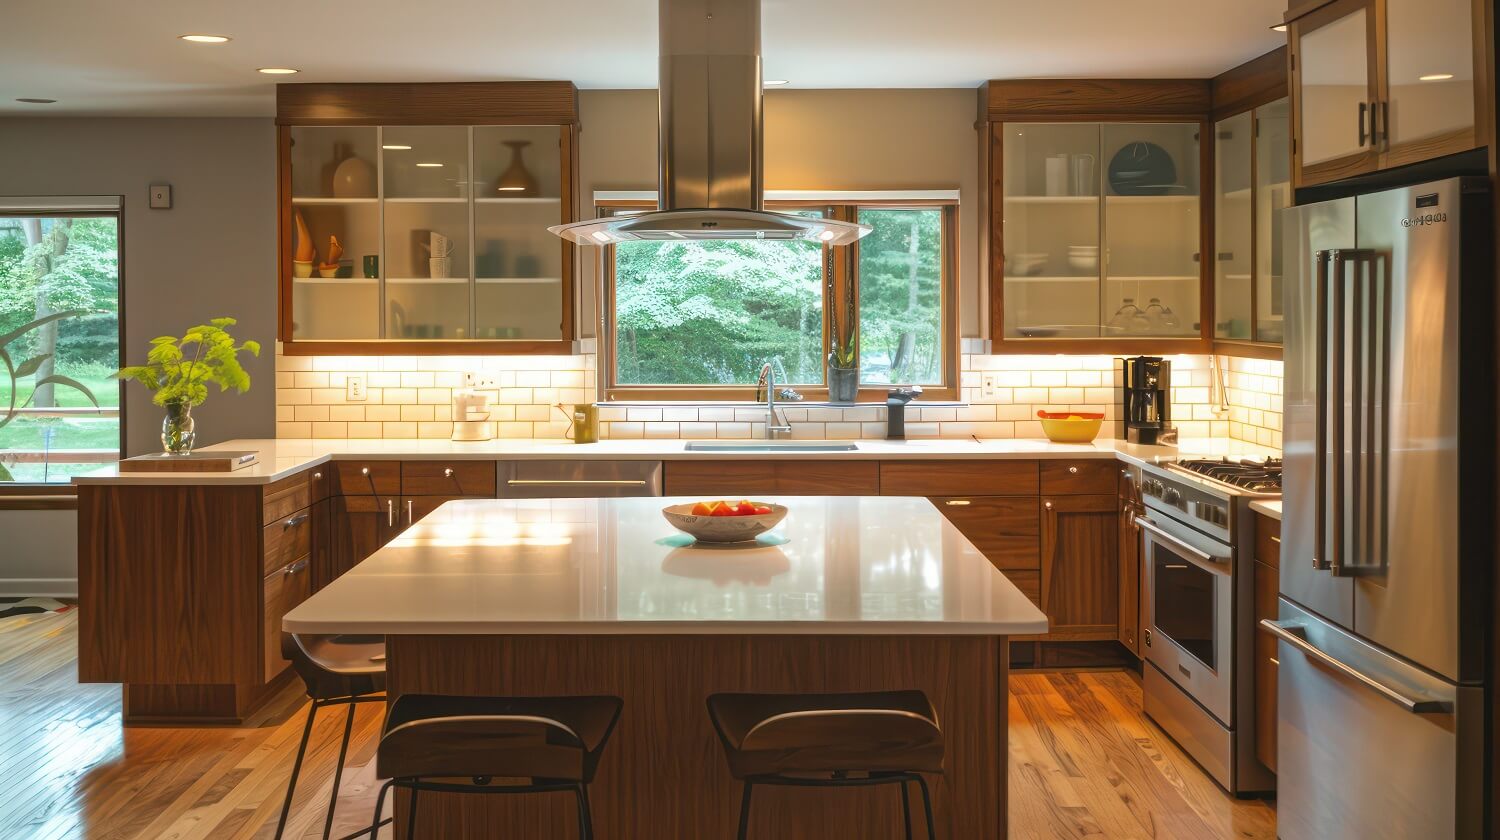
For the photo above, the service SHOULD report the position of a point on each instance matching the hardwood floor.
(1084, 761)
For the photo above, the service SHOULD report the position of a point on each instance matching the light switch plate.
(354, 388)
(161, 196)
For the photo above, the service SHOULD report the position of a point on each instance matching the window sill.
(780, 403)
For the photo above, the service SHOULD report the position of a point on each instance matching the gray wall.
(213, 254)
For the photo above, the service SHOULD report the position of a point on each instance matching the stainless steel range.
(1200, 606)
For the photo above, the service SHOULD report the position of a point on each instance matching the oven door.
(1189, 611)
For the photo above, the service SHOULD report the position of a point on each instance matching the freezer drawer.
(1377, 747)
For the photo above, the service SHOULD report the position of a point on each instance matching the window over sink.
(697, 320)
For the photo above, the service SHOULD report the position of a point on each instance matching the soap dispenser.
(895, 410)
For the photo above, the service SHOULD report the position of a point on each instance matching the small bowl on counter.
(1070, 426)
(723, 529)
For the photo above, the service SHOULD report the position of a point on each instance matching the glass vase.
(177, 433)
(843, 384)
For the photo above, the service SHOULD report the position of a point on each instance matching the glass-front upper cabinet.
(1252, 182)
(1429, 78)
(404, 233)
(1273, 193)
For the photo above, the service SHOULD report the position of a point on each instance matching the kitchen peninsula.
(602, 597)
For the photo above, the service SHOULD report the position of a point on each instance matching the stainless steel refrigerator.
(1385, 553)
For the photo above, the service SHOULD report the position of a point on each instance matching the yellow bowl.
(1071, 430)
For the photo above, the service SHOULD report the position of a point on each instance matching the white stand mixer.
(471, 416)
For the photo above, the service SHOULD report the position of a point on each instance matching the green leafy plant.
(177, 380)
(843, 334)
(16, 372)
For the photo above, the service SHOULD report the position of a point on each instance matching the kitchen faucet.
(767, 380)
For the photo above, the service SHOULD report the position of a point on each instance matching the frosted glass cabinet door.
(1233, 162)
(426, 183)
(517, 263)
(1273, 193)
(1052, 260)
(335, 222)
(1335, 83)
(1152, 230)
(1429, 71)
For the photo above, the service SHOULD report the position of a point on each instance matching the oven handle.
(1208, 562)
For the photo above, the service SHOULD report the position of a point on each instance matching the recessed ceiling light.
(1280, 27)
(275, 71)
(432, 165)
(396, 147)
(774, 82)
(31, 100)
(205, 39)
(1435, 77)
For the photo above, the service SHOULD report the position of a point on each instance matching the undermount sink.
(770, 446)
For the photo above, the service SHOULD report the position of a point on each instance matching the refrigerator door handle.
(1320, 417)
(1295, 636)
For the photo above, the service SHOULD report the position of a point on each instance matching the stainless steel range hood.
(711, 181)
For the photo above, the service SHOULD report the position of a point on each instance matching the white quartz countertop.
(1271, 508)
(281, 458)
(835, 565)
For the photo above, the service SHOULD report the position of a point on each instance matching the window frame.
(845, 262)
(32, 495)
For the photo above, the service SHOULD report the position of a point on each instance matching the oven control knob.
(1172, 496)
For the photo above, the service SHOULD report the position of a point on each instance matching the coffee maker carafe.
(1148, 400)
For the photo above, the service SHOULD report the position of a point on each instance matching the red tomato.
(762, 510)
(723, 510)
(744, 508)
(704, 508)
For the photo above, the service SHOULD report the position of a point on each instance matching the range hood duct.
(711, 180)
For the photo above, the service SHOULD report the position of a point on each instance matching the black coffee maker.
(1148, 400)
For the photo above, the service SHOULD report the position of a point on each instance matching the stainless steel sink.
(770, 446)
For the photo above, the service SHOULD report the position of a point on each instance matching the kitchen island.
(602, 596)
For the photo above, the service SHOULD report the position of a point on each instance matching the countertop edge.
(1267, 508)
(671, 628)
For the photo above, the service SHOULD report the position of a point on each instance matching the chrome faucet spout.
(774, 425)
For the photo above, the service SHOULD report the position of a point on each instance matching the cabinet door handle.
(447, 472)
(1276, 540)
(317, 476)
(1363, 107)
(294, 521)
(293, 568)
(364, 471)
(1047, 505)
(408, 512)
(390, 513)
(1073, 470)
(958, 502)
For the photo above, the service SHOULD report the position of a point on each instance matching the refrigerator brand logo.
(1425, 219)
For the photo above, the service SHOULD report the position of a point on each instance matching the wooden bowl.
(723, 529)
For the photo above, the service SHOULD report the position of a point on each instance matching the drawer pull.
(390, 513)
(317, 476)
(1047, 505)
(294, 521)
(1073, 470)
(364, 471)
(293, 568)
(957, 502)
(1274, 661)
(447, 472)
(564, 482)
(1276, 540)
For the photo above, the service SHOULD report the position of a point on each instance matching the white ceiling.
(123, 56)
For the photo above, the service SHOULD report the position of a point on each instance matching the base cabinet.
(358, 527)
(1130, 579)
(1267, 584)
(281, 590)
(1080, 567)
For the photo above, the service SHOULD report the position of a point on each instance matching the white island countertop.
(285, 457)
(834, 566)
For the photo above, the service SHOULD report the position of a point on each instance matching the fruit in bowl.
(725, 521)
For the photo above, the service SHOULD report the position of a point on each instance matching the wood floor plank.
(1085, 762)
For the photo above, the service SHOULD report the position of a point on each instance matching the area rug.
(30, 606)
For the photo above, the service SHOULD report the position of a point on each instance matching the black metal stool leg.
(411, 816)
(927, 806)
(905, 811)
(586, 811)
(291, 785)
(745, 812)
(379, 804)
(338, 771)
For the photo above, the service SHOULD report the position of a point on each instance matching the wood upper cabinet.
(439, 197)
(1383, 83)
(1093, 198)
(1080, 566)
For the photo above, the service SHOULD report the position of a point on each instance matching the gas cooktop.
(1246, 474)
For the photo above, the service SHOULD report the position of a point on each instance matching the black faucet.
(895, 410)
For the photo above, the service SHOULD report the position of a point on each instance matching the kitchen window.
(59, 338)
(697, 320)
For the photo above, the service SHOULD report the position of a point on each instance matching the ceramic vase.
(843, 384)
(177, 434)
(517, 181)
(354, 177)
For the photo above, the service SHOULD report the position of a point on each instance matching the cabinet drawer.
(365, 478)
(1080, 477)
(1005, 529)
(287, 540)
(949, 478)
(286, 497)
(281, 590)
(1266, 665)
(448, 478)
(1268, 542)
(744, 478)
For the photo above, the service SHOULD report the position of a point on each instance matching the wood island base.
(664, 775)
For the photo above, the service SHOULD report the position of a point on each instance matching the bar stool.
(337, 671)
(830, 740)
(553, 742)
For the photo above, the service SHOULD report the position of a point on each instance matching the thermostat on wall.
(161, 196)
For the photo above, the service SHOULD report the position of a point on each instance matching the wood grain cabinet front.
(1006, 529)
(792, 478)
(1070, 477)
(1080, 567)
(1267, 584)
(365, 478)
(358, 527)
(949, 478)
(281, 590)
(448, 478)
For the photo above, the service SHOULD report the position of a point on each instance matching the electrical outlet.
(989, 386)
(354, 388)
(478, 380)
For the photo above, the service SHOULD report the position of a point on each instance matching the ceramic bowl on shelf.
(1087, 263)
(302, 268)
(1026, 264)
(723, 529)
